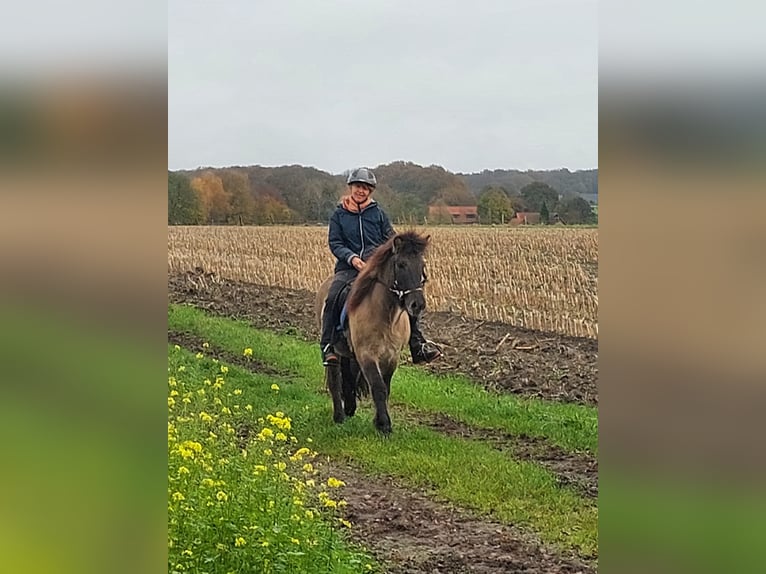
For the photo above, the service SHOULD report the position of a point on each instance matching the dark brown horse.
(387, 290)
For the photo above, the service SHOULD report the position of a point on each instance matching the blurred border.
(83, 184)
(682, 288)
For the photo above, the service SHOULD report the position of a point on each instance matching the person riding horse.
(357, 227)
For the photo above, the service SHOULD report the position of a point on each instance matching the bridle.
(401, 293)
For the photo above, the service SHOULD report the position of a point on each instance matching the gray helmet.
(362, 175)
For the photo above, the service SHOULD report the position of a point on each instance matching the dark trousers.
(332, 311)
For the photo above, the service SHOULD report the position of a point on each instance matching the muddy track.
(496, 356)
(412, 534)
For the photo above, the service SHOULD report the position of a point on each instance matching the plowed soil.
(496, 356)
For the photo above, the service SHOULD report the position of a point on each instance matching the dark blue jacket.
(357, 234)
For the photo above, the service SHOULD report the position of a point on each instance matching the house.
(453, 214)
(525, 218)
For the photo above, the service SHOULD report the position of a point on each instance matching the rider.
(357, 227)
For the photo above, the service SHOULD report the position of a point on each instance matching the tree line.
(256, 195)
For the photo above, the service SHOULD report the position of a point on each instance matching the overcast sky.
(333, 84)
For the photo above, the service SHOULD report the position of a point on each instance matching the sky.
(467, 85)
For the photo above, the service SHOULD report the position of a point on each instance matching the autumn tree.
(213, 196)
(241, 201)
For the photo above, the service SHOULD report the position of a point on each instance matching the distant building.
(453, 214)
(525, 218)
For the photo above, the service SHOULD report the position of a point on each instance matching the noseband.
(401, 293)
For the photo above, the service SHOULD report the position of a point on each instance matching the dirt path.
(495, 356)
(412, 534)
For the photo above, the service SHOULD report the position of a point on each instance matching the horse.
(382, 297)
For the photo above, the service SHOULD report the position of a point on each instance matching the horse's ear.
(397, 243)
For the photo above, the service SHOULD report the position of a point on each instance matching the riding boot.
(423, 350)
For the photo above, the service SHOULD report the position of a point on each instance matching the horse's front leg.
(334, 384)
(379, 391)
(348, 375)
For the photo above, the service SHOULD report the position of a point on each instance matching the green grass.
(467, 473)
(570, 426)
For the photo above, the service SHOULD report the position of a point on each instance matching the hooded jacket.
(357, 232)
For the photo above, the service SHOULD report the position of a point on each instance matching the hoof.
(350, 412)
(384, 429)
(339, 418)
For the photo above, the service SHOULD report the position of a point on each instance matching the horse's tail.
(354, 382)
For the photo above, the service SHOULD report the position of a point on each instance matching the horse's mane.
(410, 243)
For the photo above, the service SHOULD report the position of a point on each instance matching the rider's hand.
(358, 263)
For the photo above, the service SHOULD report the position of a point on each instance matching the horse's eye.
(400, 265)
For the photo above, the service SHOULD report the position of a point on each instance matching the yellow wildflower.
(181, 369)
(249, 408)
(222, 496)
(224, 369)
(237, 391)
(275, 387)
(267, 452)
(335, 483)
(205, 345)
(177, 497)
(309, 515)
(258, 468)
(308, 467)
(176, 347)
(280, 466)
(281, 436)
(248, 352)
(295, 541)
(199, 355)
(208, 482)
(345, 523)
(171, 402)
(183, 470)
(173, 393)
(239, 541)
(187, 552)
(205, 417)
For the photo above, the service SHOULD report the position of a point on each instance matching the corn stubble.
(539, 278)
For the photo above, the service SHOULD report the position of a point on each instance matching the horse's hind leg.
(349, 386)
(379, 395)
(334, 384)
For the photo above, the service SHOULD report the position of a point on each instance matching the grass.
(570, 426)
(467, 473)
